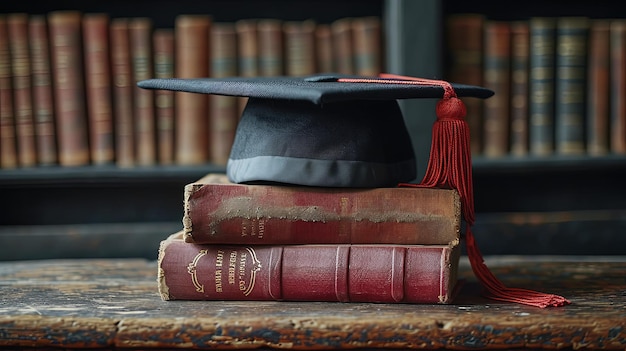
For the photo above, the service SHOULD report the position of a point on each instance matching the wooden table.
(114, 304)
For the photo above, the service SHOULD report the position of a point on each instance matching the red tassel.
(450, 166)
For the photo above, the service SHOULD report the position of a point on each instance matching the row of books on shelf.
(560, 84)
(69, 98)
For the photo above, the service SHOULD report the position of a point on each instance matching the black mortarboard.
(349, 132)
(319, 130)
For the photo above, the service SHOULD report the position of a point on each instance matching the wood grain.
(115, 304)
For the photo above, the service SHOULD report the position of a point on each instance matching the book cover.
(340, 273)
(69, 89)
(140, 31)
(496, 76)
(618, 86)
(163, 48)
(216, 211)
(17, 24)
(8, 149)
(299, 48)
(598, 94)
(121, 70)
(43, 105)
(191, 110)
(367, 45)
(223, 110)
(570, 91)
(464, 48)
(541, 85)
(98, 87)
(519, 88)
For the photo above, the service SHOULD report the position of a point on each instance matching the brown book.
(598, 95)
(570, 80)
(22, 98)
(163, 48)
(367, 45)
(496, 76)
(218, 212)
(299, 48)
(140, 31)
(8, 150)
(618, 86)
(192, 61)
(270, 38)
(520, 39)
(69, 90)
(43, 101)
(224, 110)
(248, 52)
(121, 71)
(324, 48)
(342, 45)
(347, 273)
(98, 87)
(464, 45)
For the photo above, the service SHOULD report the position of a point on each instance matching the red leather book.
(221, 212)
(343, 273)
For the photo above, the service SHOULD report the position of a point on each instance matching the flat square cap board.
(324, 130)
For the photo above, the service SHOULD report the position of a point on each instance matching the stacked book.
(299, 243)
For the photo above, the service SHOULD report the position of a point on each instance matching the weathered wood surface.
(114, 304)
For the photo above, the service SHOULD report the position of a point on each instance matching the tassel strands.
(450, 166)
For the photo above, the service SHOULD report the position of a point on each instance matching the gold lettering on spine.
(191, 269)
(256, 266)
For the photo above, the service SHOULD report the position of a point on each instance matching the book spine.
(8, 150)
(271, 43)
(324, 48)
(618, 86)
(43, 105)
(464, 40)
(22, 97)
(541, 84)
(163, 46)
(341, 30)
(367, 45)
(140, 31)
(224, 110)
(98, 87)
(67, 68)
(258, 214)
(191, 110)
(598, 95)
(345, 273)
(519, 88)
(121, 71)
(299, 48)
(571, 65)
(497, 78)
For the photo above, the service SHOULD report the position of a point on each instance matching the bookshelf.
(529, 205)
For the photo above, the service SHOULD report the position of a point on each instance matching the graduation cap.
(348, 131)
